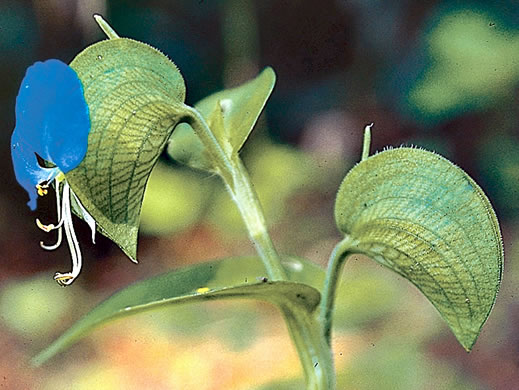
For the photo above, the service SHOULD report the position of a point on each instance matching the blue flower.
(52, 121)
(49, 140)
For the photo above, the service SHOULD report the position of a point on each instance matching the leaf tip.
(269, 72)
(41, 358)
(467, 341)
(103, 24)
(130, 250)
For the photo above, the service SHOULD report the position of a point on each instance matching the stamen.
(50, 227)
(43, 189)
(65, 279)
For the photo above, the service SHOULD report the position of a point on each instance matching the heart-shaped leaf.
(231, 114)
(135, 97)
(426, 219)
(201, 282)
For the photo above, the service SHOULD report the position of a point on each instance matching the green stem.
(337, 258)
(313, 351)
(248, 203)
(239, 185)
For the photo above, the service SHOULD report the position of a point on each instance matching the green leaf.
(418, 214)
(201, 282)
(231, 114)
(135, 95)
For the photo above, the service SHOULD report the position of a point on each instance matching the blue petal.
(52, 120)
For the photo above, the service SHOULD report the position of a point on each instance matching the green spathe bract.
(135, 96)
(426, 219)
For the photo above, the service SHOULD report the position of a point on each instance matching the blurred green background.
(440, 74)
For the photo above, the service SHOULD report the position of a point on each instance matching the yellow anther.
(202, 290)
(45, 228)
(42, 189)
(63, 279)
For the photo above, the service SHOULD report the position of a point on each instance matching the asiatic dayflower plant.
(49, 140)
(410, 210)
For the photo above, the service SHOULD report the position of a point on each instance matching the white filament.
(48, 228)
(65, 279)
(87, 218)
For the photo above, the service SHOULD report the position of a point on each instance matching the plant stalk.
(314, 353)
(250, 209)
(337, 258)
(238, 183)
